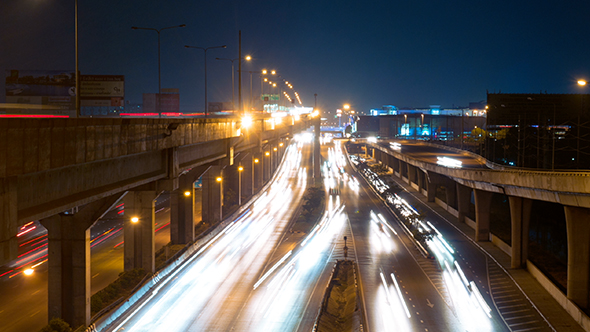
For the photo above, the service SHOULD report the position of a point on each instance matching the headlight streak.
(269, 272)
(395, 320)
(216, 260)
(464, 294)
(399, 293)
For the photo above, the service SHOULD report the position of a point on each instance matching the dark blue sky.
(406, 53)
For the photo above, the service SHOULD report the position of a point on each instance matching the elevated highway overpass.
(67, 173)
(416, 164)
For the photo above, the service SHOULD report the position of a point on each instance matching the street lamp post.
(581, 83)
(240, 169)
(159, 79)
(205, 49)
(233, 98)
(247, 58)
(77, 69)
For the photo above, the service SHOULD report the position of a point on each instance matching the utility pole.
(240, 73)
(316, 144)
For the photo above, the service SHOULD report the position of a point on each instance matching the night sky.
(366, 53)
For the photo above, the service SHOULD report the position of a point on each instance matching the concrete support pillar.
(451, 190)
(463, 201)
(395, 165)
(69, 261)
(520, 213)
(139, 233)
(212, 195)
(403, 169)
(8, 216)
(578, 259)
(182, 203)
(69, 269)
(483, 202)
(434, 180)
(420, 179)
(412, 174)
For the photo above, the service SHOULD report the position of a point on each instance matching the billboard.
(102, 90)
(41, 91)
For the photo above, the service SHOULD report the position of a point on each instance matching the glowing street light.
(218, 179)
(134, 220)
(582, 82)
(247, 121)
(240, 170)
(187, 193)
(28, 272)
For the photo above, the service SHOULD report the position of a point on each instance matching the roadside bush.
(57, 325)
(121, 287)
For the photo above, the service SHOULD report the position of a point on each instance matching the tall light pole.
(77, 69)
(581, 83)
(247, 58)
(233, 98)
(159, 77)
(205, 49)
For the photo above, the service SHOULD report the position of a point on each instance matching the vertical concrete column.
(69, 269)
(520, 213)
(411, 174)
(139, 233)
(8, 218)
(483, 202)
(403, 169)
(182, 204)
(68, 253)
(451, 190)
(395, 165)
(212, 195)
(434, 180)
(420, 179)
(463, 201)
(577, 221)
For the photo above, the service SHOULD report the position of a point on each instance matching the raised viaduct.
(67, 173)
(570, 189)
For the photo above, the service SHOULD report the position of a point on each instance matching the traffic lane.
(379, 254)
(289, 300)
(473, 262)
(23, 305)
(209, 277)
(429, 154)
(288, 294)
(397, 292)
(107, 257)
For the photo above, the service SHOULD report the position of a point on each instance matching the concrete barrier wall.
(558, 295)
(564, 187)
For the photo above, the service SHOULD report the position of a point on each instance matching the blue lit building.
(432, 123)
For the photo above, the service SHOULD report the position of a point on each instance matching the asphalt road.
(475, 290)
(256, 276)
(430, 153)
(23, 303)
